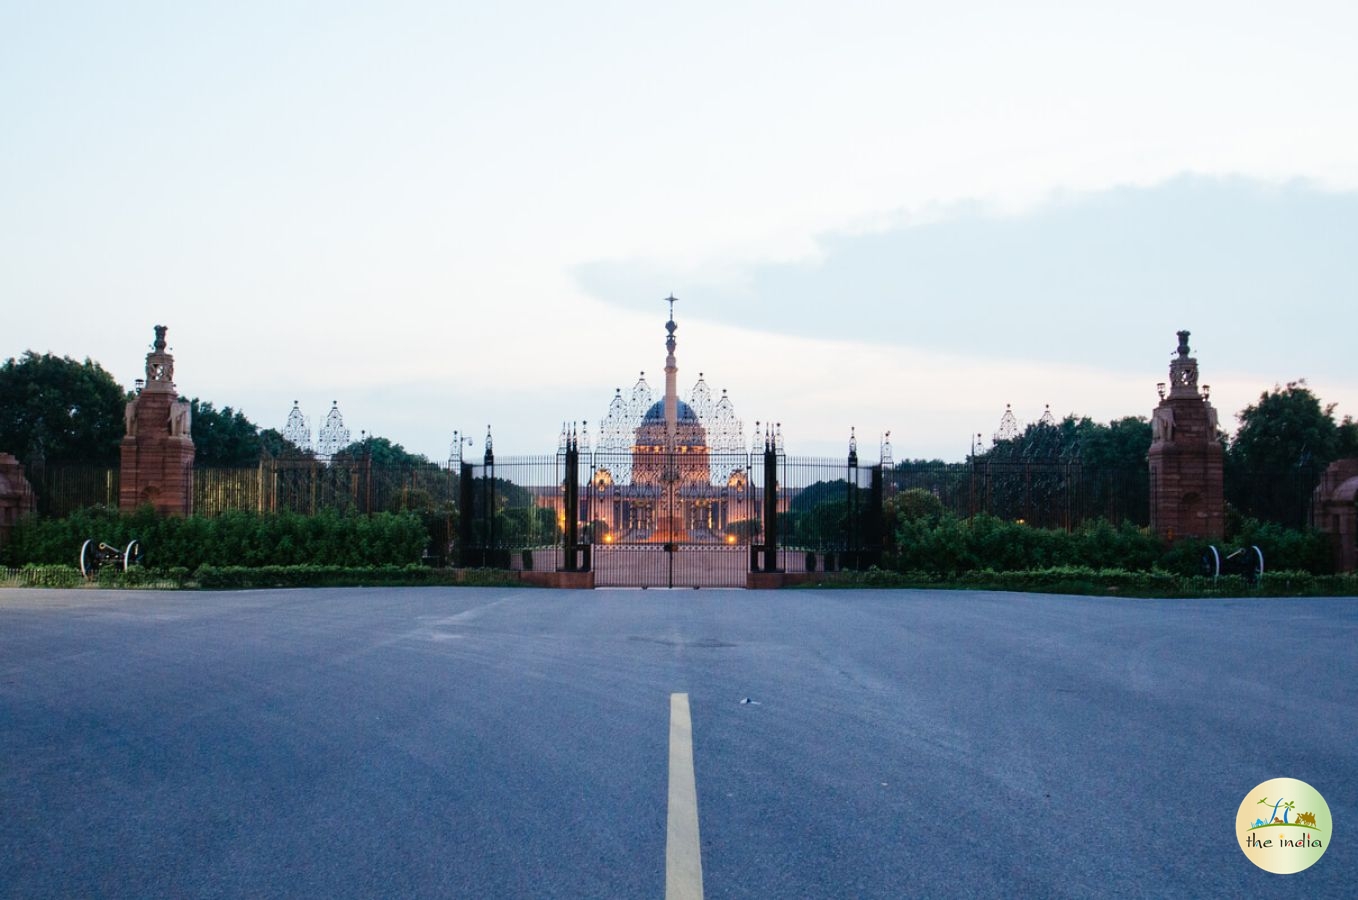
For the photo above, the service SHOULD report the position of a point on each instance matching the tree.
(819, 492)
(1121, 444)
(1348, 438)
(222, 437)
(272, 442)
(226, 437)
(912, 504)
(68, 410)
(383, 453)
(1287, 429)
(1283, 444)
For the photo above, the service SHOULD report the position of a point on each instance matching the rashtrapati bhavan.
(670, 470)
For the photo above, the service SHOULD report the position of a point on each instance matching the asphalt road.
(513, 743)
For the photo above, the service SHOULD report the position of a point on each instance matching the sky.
(887, 216)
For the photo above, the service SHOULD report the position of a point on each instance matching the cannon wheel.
(1258, 564)
(1211, 561)
(132, 555)
(87, 558)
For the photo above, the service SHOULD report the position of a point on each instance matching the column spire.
(671, 380)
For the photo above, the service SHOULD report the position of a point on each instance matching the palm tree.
(1274, 814)
(1286, 806)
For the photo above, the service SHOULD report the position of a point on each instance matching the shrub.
(234, 538)
(1113, 582)
(950, 545)
(235, 577)
(49, 576)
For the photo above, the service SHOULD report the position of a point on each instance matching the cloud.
(1262, 274)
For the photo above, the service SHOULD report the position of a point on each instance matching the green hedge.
(44, 576)
(235, 577)
(232, 539)
(948, 545)
(1055, 580)
(1115, 582)
(952, 545)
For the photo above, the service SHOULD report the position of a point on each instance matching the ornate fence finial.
(455, 449)
(332, 436)
(297, 431)
(1009, 426)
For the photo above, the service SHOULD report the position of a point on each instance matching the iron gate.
(667, 518)
(676, 516)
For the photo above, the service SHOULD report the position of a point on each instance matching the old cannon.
(1247, 562)
(95, 556)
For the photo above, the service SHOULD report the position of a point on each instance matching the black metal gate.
(669, 513)
(667, 518)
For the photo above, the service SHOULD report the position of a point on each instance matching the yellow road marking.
(683, 854)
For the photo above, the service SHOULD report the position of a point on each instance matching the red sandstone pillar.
(157, 450)
(1186, 483)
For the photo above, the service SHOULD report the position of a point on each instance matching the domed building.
(669, 470)
(652, 443)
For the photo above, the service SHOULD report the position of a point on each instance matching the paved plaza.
(517, 743)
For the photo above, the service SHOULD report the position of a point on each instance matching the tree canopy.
(65, 409)
(222, 437)
(1289, 429)
(1121, 444)
(225, 437)
(819, 492)
(383, 453)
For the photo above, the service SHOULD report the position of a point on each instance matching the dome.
(656, 414)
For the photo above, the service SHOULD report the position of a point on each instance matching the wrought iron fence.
(517, 512)
(676, 518)
(304, 486)
(828, 512)
(1054, 494)
(61, 488)
(831, 513)
(1273, 495)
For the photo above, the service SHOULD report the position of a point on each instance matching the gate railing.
(577, 508)
(558, 511)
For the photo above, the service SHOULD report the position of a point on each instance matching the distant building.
(670, 470)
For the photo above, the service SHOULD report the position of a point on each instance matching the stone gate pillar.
(1185, 458)
(1335, 511)
(157, 450)
(16, 495)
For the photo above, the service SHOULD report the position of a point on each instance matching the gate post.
(570, 538)
(491, 556)
(875, 516)
(770, 506)
(466, 507)
(852, 538)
